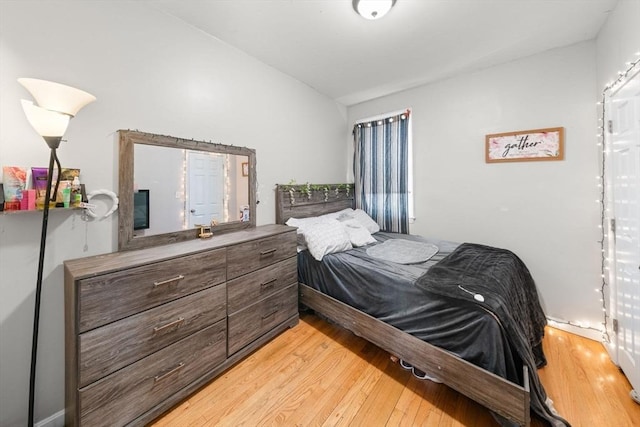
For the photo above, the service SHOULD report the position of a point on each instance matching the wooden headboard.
(305, 200)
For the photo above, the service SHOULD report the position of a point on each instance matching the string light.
(622, 76)
(227, 188)
(183, 190)
(603, 218)
(602, 183)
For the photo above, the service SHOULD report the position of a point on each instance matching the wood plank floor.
(318, 374)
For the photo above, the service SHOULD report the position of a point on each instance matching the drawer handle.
(266, 316)
(268, 252)
(166, 282)
(269, 284)
(168, 325)
(166, 374)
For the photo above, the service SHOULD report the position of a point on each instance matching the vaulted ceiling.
(326, 45)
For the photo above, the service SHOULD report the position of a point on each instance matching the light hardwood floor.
(318, 374)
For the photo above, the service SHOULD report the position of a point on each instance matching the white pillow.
(326, 237)
(339, 214)
(358, 234)
(363, 218)
(302, 224)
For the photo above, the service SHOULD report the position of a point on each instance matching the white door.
(205, 188)
(624, 128)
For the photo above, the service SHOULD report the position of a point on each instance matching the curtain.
(380, 167)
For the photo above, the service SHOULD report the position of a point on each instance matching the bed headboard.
(305, 200)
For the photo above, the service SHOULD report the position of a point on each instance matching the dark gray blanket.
(498, 280)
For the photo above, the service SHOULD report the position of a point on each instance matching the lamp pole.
(57, 105)
(36, 314)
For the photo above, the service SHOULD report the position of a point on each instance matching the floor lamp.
(57, 104)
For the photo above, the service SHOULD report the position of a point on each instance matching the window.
(383, 170)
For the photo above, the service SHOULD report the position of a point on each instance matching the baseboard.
(577, 330)
(55, 420)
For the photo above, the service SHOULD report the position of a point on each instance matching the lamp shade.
(46, 123)
(57, 97)
(373, 9)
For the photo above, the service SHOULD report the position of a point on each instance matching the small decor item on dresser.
(205, 231)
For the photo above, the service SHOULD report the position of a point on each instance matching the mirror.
(169, 187)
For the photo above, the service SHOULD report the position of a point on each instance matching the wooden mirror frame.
(127, 139)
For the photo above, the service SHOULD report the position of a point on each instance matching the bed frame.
(503, 397)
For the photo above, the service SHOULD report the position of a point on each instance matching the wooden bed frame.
(503, 397)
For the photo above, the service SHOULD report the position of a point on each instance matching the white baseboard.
(55, 420)
(577, 330)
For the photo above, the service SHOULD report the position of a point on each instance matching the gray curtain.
(380, 167)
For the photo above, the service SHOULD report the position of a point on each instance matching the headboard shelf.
(305, 200)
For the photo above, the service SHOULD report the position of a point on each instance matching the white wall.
(618, 42)
(152, 73)
(543, 211)
(161, 171)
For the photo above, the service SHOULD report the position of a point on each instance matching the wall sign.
(525, 146)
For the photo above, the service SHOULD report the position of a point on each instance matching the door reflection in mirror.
(190, 187)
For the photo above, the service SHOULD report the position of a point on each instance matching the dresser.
(146, 328)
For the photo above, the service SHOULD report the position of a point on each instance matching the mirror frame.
(127, 139)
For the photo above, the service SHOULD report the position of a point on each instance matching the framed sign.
(525, 146)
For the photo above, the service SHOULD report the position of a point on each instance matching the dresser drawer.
(113, 296)
(247, 289)
(109, 348)
(130, 392)
(251, 322)
(250, 256)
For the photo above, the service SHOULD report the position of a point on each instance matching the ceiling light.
(373, 9)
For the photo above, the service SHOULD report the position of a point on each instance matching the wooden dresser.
(146, 328)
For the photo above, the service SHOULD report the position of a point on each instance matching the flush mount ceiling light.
(373, 9)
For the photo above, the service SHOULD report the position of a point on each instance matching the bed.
(410, 311)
